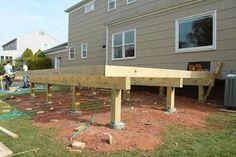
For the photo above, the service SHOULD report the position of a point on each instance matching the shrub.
(36, 63)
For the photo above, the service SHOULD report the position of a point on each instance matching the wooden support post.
(76, 98)
(201, 94)
(170, 100)
(32, 89)
(161, 91)
(49, 93)
(126, 95)
(116, 110)
(93, 89)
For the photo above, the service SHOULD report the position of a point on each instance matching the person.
(9, 74)
(25, 77)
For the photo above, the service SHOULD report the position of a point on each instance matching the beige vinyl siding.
(156, 38)
(155, 42)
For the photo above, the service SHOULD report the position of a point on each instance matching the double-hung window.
(124, 45)
(131, 1)
(111, 5)
(89, 7)
(196, 33)
(84, 50)
(72, 53)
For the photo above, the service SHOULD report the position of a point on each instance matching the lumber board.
(116, 106)
(87, 81)
(198, 82)
(170, 99)
(165, 82)
(122, 71)
(7, 132)
(4, 151)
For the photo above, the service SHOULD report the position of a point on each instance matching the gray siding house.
(153, 33)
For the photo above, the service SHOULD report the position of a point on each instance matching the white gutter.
(107, 35)
(153, 13)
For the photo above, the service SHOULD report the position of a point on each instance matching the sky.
(18, 17)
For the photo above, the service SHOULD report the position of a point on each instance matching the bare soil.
(143, 116)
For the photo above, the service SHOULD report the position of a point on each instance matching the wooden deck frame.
(120, 78)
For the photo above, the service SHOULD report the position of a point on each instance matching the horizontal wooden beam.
(165, 82)
(122, 71)
(198, 82)
(87, 81)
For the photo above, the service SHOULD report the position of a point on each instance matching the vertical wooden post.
(161, 91)
(170, 100)
(76, 98)
(32, 89)
(201, 94)
(49, 93)
(93, 90)
(126, 94)
(116, 110)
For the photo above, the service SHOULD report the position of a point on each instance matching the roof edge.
(77, 5)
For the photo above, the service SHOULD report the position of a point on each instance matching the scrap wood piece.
(4, 151)
(226, 110)
(9, 133)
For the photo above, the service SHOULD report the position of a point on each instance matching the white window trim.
(196, 49)
(74, 53)
(123, 50)
(81, 50)
(134, 1)
(86, 11)
(108, 4)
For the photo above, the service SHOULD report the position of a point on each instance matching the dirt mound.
(144, 118)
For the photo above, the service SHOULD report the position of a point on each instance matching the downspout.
(107, 35)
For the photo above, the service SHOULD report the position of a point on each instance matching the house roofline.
(77, 5)
(9, 42)
(56, 48)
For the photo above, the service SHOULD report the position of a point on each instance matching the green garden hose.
(86, 126)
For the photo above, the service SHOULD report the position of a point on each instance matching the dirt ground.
(143, 116)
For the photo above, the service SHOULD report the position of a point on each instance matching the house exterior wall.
(63, 54)
(155, 34)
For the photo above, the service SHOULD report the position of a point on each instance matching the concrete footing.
(117, 126)
(170, 110)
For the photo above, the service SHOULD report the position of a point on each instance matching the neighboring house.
(153, 33)
(34, 40)
(58, 55)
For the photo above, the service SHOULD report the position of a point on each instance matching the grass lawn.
(217, 139)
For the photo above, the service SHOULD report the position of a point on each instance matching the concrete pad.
(4, 151)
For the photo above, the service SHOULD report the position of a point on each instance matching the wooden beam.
(170, 100)
(122, 71)
(49, 93)
(165, 82)
(9, 133)
(87, 81)
(198, 82)
(32, 89)
(75, 98)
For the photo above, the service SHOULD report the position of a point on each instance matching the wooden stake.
(126, 95)
(161, 90)
(93, 90)
(49, 93)
(116, 106)
(201, 94)
(33, 89)
(170, 101)
(76, 98)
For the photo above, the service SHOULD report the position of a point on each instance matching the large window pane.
(196, 32)
(118, 52)
(129, 37)
(129, 50)
(118, 39)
